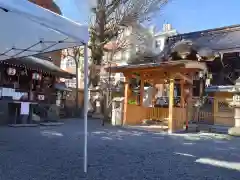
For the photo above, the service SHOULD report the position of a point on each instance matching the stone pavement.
(47, 153)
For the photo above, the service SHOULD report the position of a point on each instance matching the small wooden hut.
(171, 73)
(223, 114)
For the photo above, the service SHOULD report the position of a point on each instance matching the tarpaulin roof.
(27, 29)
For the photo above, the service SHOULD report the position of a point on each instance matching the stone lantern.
(235, 103)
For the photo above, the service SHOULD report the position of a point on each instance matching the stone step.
(204, 128)
(208, 128)
(213, 128)
(152, 128)
(220, 129)
(155, 122)
(97, 116)
(192, 128)
(51, 124)
(22, 125)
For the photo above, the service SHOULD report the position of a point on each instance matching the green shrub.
(132, 102)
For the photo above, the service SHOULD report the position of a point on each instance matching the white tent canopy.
(27, 29)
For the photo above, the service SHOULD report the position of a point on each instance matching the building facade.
(161, 37)
(50, 5)
(68, 64)
(135, 43)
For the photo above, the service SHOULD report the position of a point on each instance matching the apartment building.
(68, 64)
(135, 43)
(161, 37)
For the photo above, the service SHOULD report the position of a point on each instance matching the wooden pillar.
(171, 123)
(141, 91)
(153, 94)
(126, 87)
(190, 108)
(182, 102)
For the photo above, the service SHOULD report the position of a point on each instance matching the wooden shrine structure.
(33, 81)
(179, 72)
(190, 95)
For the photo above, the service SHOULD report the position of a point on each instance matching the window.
(158, 43)
(63, 64)
(127, 32)
(70, 62)
(125, 55)
(71, 83)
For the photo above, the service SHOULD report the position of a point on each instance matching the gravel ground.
(44, 153)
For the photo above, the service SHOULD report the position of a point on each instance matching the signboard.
(41, 97)
(9, 92)
(24, 108)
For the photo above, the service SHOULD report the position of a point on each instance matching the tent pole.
(85, 105)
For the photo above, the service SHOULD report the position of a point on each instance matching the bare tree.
(108, 21)
(126, 42)
(75, 54)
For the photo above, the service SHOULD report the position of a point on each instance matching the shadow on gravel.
(115, 154)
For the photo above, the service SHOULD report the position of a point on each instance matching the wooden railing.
(157, 113)
(162, 114)
(179, 117)
(204, 117)
(136, 114)
(214, 112)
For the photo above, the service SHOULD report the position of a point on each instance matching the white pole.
(85, 105)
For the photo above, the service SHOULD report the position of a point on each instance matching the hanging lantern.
(11, 71)
(201, 74)
(208, 82)
(41, 97)
(209, 76)
(36, 76)
(24, 72)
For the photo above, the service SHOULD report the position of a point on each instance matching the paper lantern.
(11, 71)
(36, 76)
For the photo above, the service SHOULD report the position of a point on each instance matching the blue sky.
(184, 15)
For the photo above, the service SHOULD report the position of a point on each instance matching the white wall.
(161, 38)
(139, 38)
(68, 64)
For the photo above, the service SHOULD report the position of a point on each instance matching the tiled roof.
(45, 65)
(208, 42)
(216, 39)
(212, 40)
(133, 67)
